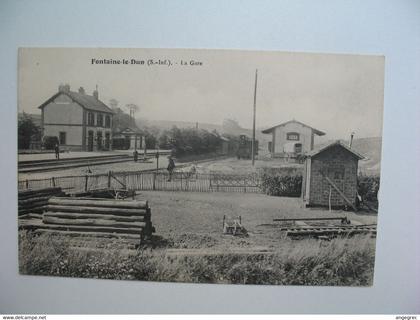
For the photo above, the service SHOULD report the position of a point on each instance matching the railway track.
(31, 166)
(346, 230)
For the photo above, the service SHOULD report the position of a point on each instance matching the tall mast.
(253, 120)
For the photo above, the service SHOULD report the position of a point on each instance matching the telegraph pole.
(253, 121)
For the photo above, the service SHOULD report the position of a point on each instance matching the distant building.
(330, 176)
(125, 132)
(128, 138)
(81, 122)
(291, 139)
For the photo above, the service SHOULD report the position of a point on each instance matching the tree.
(27, 130)
(132, 108)
(122, 120)
(113, 103)
(151, 141)
(164, 140)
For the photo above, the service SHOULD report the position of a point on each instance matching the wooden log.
(100, 210)
(29, 226)
(32, 210)
(30, 216)
(42, 194)
(90, 234)
(33, 204)
(107, 203)
(32, 200)
(73, 215)
(35, 191)
(92, 222)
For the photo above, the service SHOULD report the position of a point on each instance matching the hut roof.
(333, 144)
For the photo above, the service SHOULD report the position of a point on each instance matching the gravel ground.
(195, 220)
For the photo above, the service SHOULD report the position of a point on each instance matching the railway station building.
(291, 139)
(81, 122)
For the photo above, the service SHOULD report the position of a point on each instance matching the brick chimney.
(96, 93)
(82, 90)
(64, 87)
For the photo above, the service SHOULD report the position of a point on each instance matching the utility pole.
(253, 121)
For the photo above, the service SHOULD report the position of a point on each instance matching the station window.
(100, 120)
(91, 119)
(107, 121)
(62, 138)
(293, 136)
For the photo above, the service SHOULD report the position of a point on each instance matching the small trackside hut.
(330, 176)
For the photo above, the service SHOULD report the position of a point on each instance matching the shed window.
(91, 119)
(336, 173)
(294, 136)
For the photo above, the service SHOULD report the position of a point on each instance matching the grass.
(344, 262)
(193, 220)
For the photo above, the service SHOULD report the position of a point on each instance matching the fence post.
(86, 182)
(27, 184)
(125, 180)
(53, 181)
(109, 179)
(154, 180)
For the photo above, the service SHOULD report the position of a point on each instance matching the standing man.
(57, 151)
(171, 167)
(136, 155)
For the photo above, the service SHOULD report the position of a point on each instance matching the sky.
(337, 94)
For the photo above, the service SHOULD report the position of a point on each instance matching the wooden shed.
(330, 176)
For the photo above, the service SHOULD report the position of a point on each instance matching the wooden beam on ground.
(74, 215)
(90, 234)
(92, 222)
(309, 219)
(100, 210)
(108, 203)
(29, 226)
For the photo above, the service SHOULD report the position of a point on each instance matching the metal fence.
(159, 181)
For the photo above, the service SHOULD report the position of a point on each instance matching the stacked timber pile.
(32, 202)
(99, 218)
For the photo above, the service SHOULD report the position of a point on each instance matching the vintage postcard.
(204, 166)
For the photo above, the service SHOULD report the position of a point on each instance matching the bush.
(27, 131)
(281, 183)
(50, 142)
(189, 141)
(368, 187)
